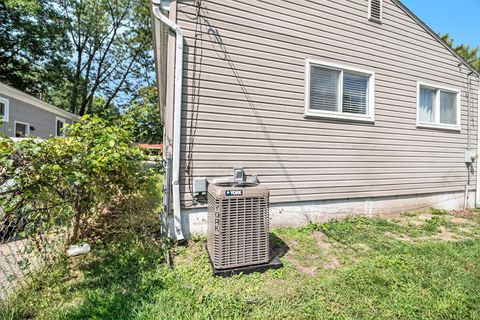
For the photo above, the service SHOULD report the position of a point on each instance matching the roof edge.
(435, 35)
(25, 97)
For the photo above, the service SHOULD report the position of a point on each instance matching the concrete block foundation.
(296, 214)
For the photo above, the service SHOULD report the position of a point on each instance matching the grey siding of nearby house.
(42, 120)
(244, 100)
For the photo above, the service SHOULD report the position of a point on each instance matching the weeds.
(409, 214)
(433, 224)
(438, 212)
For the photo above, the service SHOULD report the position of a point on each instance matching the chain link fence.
(23, 251)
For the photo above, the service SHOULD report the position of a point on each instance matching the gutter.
(177, 113)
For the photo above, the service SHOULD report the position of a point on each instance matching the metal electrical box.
(200, 186)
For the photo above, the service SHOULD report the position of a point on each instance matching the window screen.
(2, 110)
(324, 88)
(355, 93)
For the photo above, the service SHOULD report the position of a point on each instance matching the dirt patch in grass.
(465, 213)
(319, 255)
(443, 234)
(447, 235)
(302, 260)
(424, 216)
(330, 260)
(311, 271)
(416, 220)
(460, 220)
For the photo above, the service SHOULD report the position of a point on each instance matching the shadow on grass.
(114, 282)
(123, 276)
(278, 248)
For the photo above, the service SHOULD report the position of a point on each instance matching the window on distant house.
(375, 10)
(339, 92)
(60, 124)
(3, 110)
(22, 129)
(438, 107)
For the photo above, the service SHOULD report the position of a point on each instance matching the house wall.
(244, 101)
(43, 121)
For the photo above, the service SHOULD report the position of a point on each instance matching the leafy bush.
(433, 224)
(438, 212)
(50, 183)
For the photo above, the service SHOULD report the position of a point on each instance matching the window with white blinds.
(438, 107)
(355, 93)
(339, 92)
(324, 86)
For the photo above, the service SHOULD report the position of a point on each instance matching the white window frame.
(7, 109)
(56, 125)
(370, 12)
(437, 124)
(26, 124)
(368, 117)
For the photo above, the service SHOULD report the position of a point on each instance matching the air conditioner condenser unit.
(238, 224)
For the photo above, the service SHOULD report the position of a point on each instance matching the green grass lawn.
(414, 266)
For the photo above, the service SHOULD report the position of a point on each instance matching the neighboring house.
(339, 107)
(24, 115)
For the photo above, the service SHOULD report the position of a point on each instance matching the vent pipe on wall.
(468, 153)
(470, 157)
(469, 115)
(477, 192)
(177, 113)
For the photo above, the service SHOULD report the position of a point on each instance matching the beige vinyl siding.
(244, 100)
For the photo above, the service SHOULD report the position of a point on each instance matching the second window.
(438, 107)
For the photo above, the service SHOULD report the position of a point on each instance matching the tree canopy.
(469, 53)
(33, 46)
(85, 56)
(72, 52)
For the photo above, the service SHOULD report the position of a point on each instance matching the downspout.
(468, 153)
(469, 116)
(469, 156)
(477, 192)
(177, 113)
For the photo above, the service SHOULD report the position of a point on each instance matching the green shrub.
(438, 212)
(69, 178)
(409, 214)
(433, 224)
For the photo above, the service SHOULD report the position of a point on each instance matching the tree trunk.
(76, 223)
(76, 80)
